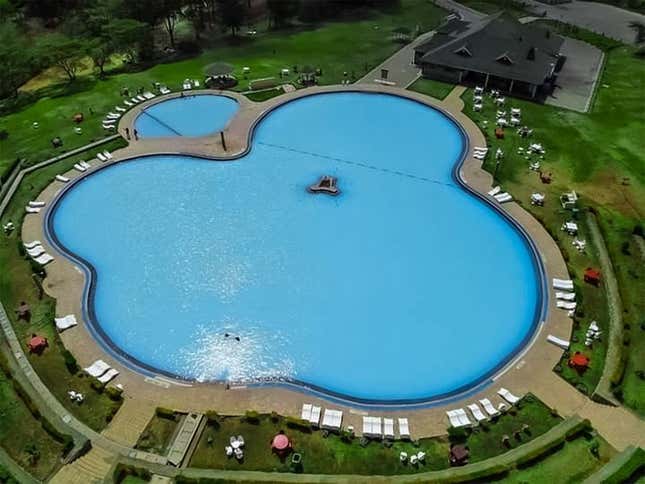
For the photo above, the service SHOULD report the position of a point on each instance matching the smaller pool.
(195, 115)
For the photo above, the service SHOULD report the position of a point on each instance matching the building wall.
(440, 73)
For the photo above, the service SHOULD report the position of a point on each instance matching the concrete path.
(466, 13)
(92, 468)
(604, 19)
(578, 78)
(402, 72)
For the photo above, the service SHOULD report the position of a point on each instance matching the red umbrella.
(280, 443)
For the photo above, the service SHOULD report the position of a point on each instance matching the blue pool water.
(196, 115)
(402, 287)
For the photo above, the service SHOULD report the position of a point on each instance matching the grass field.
(600, 155)
(432, 88)
(23, 436)
(157, 435)
(325, 47)
(16, 285)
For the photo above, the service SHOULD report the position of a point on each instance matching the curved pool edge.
(138, 366)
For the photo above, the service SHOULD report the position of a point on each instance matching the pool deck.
(530, 371)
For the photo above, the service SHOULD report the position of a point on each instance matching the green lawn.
(319, 455)
(158, 434)
(432, 88)
(16, 285)
(600, 156)
(325, 47)
(568, 465)
(23, 436)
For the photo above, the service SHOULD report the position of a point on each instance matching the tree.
(63, 52)
(169, 10)
(232, 13)
(17, 58)
(281, 12)
(126, 35)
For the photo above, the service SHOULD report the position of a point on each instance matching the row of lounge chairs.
(101, 371)
(111, 118)
(383, 428)
(82, 166)
(499, 196)
(331, 420)
(34, 206)
(104, 156)
(459, 418)
(36, 251)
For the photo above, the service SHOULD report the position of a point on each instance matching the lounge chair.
(101, 157)
(112, 115)
(404, 428)
(563, 284)
(85, 164)
(490, 409)
(98, 368)
(62, 178)
(80, 168)
(108, 376)
(388, 428)
(454, 418)
(495, 191)
(108, 126)
(135, 100)
(148, 95)
(141, 98)
(372, 427)
(65, 322)
(32, 244)
(458, 417)
(164, 90)
(44, 259)
(120, 109)
(503, 197)
(186, 86)
(315, 416)
(195, 83)
(569, 306)
(128, 103)
(305, 414)
(508, 396)
(108, 155)
(29, 209)
(36, 251)
(566, 296)
(332, 419)
(479, 156)
(560, 343)
(36, 204)
(476, 411)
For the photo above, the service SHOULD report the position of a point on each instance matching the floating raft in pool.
(326, 184)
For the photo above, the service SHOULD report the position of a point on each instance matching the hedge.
(263, 83)
(621, 468)
(163, 412)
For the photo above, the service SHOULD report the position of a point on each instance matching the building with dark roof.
(496, 52)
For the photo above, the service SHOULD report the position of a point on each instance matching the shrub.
(212, 418)
(457, 434)
(97, 386)
(115, 394)
(252, 417)
(163, 412)
(70, 362)
(638, 230)
(275, 418)
(298, 424)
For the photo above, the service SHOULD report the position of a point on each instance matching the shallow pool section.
(191, 115)
(404, 287)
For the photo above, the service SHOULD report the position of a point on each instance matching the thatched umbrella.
(218, 69)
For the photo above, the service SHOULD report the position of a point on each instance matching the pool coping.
(136, 365)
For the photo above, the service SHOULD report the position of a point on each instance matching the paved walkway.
(466, 13)
(604, 19)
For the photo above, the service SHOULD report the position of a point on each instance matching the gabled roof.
(498, 44)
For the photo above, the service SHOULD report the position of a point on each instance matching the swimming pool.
(403, 288)
(191, 115)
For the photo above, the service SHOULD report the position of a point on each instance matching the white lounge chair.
(85, 164)
(388, 428)
(508, 396)
(477, 107)
(128, 103)
(332, 419)
(372, 427)
(108, 126)
(120, 109)
(476, 411)
(404, 428)
(113, 115)
(108, 376)
(569, 306)
(32, 244)
(148, 95)
(495, 191)
(29, 209)
(80, 168)
(563, 284)
(503, 197)
(108, 155)
(490, 409)
(560, 343)
(305, 414)
(454, 418)
(44, 259)
(141, 98)
(36, 204)
(62, 178)
(186, 86)
(315, 416)
(36, 251)
(101, 157)
(164, 90)
(196, 83)
(135, 100)
(98, 368)
(479, 156)
(65, 322)
(566, 296)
